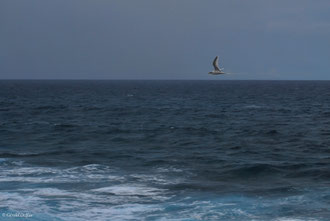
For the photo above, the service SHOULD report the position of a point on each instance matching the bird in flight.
(216, 70)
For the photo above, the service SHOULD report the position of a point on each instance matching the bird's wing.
(215, 63)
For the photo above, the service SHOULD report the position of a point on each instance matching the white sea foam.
(127, 197)
(53, 192)
(169, 169)
(22, 202)
(128, 202)
(75, 205)
(130, 190)
(156, 179)
(295, 219)
(54, 175)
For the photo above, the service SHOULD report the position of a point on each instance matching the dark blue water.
(165, 150)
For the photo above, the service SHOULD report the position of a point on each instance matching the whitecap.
(52, 192)
(169, 169)
(91, 173)
(127, 190)
(156, 179)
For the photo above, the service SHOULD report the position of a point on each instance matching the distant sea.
(164, 150)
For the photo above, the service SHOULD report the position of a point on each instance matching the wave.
(53, 192)
(130, 190)
(27, 155)
(72, 205)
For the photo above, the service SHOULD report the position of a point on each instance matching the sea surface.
(165, 150)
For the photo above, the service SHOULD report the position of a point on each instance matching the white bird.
(216, 70)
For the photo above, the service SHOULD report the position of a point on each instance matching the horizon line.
(149, 79)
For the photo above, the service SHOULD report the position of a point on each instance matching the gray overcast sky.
(164, 39)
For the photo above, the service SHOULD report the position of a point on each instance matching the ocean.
(164, 150)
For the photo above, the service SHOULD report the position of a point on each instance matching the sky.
(164, 39)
